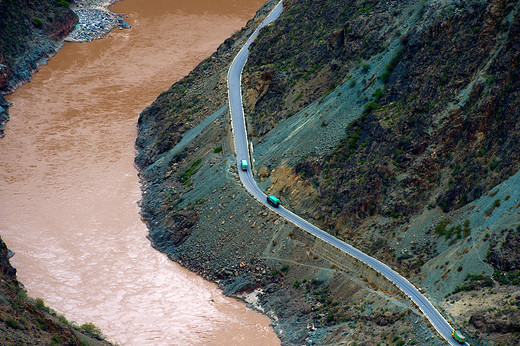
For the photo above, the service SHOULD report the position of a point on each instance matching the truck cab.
(458, 336)
(272, 200)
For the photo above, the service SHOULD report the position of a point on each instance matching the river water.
(69, 190)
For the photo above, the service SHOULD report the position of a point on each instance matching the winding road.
(242, 153)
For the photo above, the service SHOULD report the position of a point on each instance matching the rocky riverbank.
(25, 321)
(30, 33)
(29, 38)
(95, 20)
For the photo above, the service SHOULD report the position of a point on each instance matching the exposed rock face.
(4, 77)
(504, 255)
(8, 272)
(445, 115)
(496, 322)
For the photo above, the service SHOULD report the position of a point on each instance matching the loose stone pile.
(95, 20)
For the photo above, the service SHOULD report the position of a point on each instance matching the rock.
(237, 285)
(123, 24)
(496, 322)
(4, 116)
(4, 80)
(263, 172)
(336, 39)
(503, 255)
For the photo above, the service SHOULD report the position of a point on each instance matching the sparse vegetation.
(11, 322)
(92, 330)
(507, 278)
(495, 205)
(186, 176)
(37, 22)
(474, 282)
(365, 67)
(440, 229)
(385, 76)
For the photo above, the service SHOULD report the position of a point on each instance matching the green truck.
(244, 165)
(272, 200)
(458, 336)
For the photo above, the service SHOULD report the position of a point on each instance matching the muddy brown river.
(69, 189)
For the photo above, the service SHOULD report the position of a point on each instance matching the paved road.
(242, 153)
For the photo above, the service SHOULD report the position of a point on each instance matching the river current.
(69, 189)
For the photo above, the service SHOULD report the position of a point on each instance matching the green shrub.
(217, 150)
(40, 304)
(37, 22)
(385, 76)
(370, 107)
(495, 205)
(56, 340)
(444, 206)
(91, 329)
(11, 322)
(440, 229)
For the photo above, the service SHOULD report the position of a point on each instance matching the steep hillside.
(24, 321)
(426, 94)
(441, 126)
(391, 124)
(30, 33)
(201, 217)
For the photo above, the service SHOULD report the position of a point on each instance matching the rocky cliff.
(392, 125)
(30, 33)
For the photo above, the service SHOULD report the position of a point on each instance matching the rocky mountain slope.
(30, 33)
(432, 129)
(391, 124)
